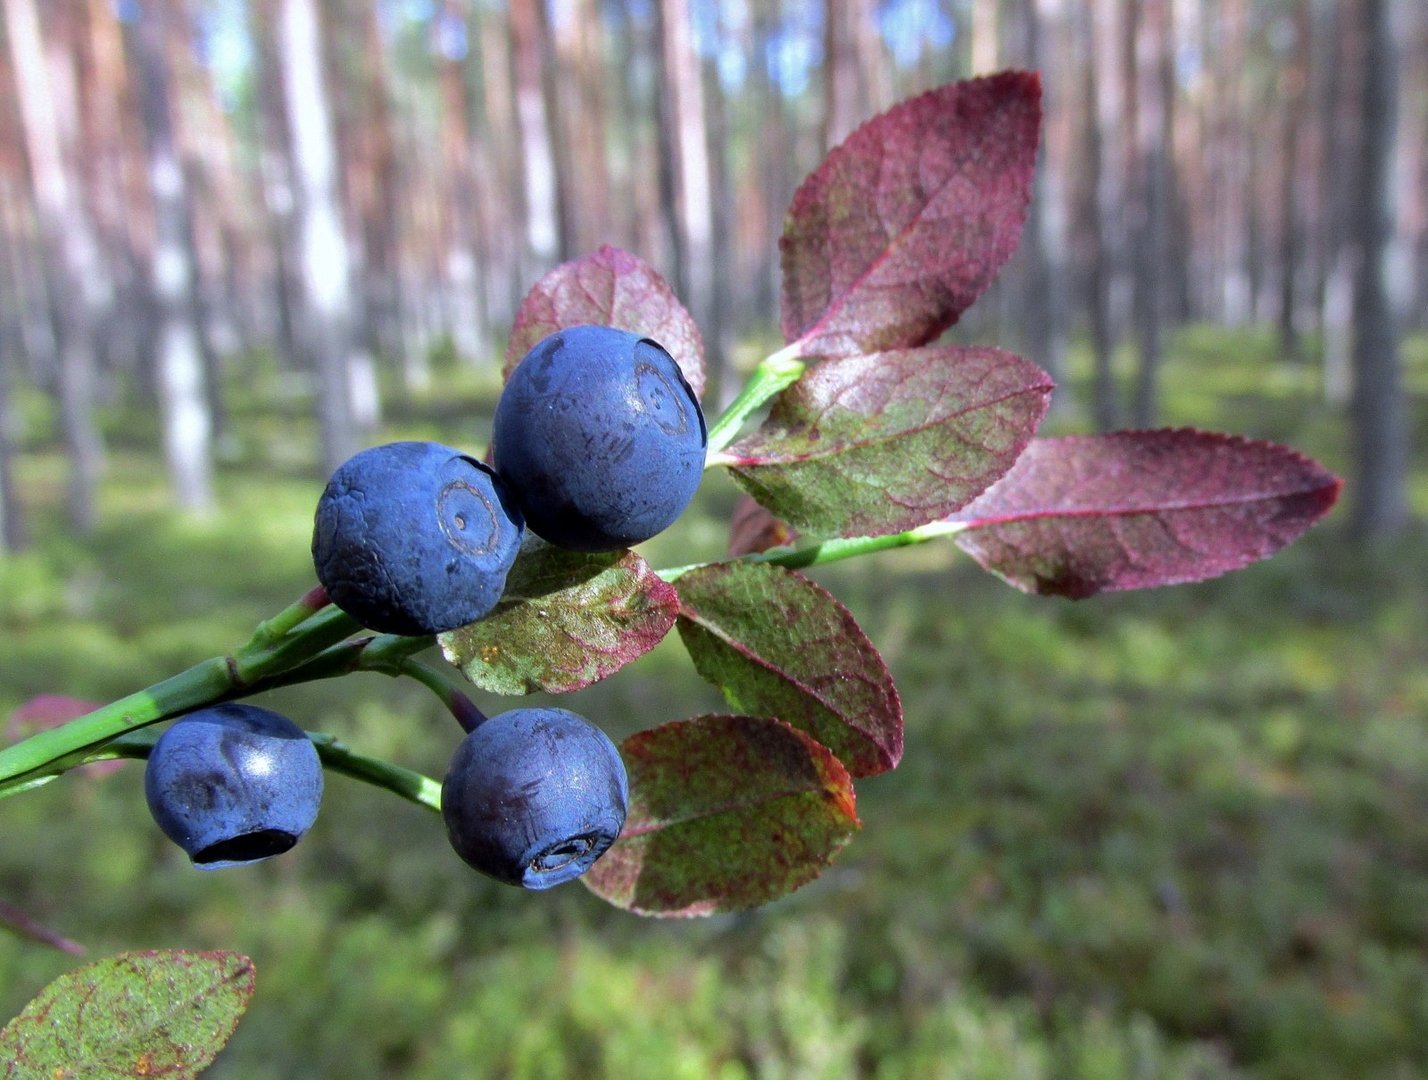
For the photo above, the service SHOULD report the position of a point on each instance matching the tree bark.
(183, 405)
(328, 310)
(1380, 504)
(1103, 85)
(68, 248)
(540, 183)
(1151, 44)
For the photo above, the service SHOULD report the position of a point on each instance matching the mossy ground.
(1174, 833)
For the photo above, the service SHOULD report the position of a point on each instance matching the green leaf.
(567, 620)
(777, 644)
(164, 1013)
(726, 812)
(610, 287)
(877, 444)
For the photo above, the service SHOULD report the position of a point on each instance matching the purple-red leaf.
(726, 812)
(753, 528)
(566, 620)
(609, 288)
(165, 1013)
(907, 222)
(777, 644)
(1085, 514)
(869, 445)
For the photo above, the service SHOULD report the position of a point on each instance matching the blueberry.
(233, 784)
(415, 538)
(600, 438)
(534, 796)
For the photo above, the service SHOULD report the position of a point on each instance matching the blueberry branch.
(255, 666)
(336, 756)
(774, 373)
(835, 549)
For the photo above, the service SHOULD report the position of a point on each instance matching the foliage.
(874, 439)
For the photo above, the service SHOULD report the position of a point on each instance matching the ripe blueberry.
(600, 438)
(415, 538)
(233, 784)
(534, 796)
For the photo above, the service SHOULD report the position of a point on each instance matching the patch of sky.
(912, 27)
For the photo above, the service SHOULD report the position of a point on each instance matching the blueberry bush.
(862, 433)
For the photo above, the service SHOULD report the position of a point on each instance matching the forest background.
(1180, 832)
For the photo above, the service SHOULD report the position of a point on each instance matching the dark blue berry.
(599, 437)
(534, 796)
(233, 784)
(415, 538)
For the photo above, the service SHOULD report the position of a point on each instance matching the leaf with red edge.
(869, 445)
(907, 222)
(609, 288)
(1084, 514)
(753, 529)
(726, 812)
(777, 644)
(566, 620)
(164, 1013)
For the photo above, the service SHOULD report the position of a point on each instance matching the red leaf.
(1085, 514)
(726, 812)
(907, 222)
(753, 529)
(609, 288)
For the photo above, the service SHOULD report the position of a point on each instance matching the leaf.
(753, 529)
(907, 222)
(609, 288)
(869, 445)
(726, 812)
(164, 1013)
(1084, 514)
(777, 644)
(566, 620)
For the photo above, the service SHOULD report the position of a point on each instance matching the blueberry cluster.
(598, 443)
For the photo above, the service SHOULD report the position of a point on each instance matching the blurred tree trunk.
(276, 177)
(849, 94)
(501, 203)
(1294, 98)
(775, 141)
(13, 533)
(1230, 153)
(580, 92)
(1040, 309)
(722, 377)
(986, 40)
(1103, 80)
(68, 247)
(1380, 507)
(1338, 121)
(540, 181)
(684, 145)
(328, 311)
(375, 192)
(465, 311)
(179, 370)
(1151, 42)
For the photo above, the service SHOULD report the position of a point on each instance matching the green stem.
(336, 755)
(221, 678)
(835, 550)
(773, 374)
